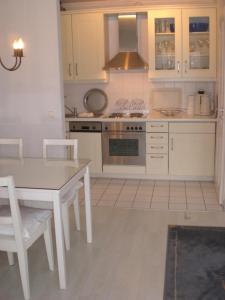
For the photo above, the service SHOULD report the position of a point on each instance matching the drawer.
(157, 127)
(156, 148)
(156, 138)
(157, 164)
(193, 127)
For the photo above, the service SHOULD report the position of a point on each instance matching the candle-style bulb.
(18, 44)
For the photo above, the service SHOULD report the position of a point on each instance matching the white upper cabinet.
(83, 43)
(182, 44)
(67, 47)
(165, 51)
(199, 43)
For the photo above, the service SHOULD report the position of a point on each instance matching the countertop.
(154, 116)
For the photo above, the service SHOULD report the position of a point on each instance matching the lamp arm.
(14, 67)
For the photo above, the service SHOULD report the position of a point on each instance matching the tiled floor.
(154, 195)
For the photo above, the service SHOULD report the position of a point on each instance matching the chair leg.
(23, 265)
(10, 258)
(49, 245)
(66, 225)
(77, 211)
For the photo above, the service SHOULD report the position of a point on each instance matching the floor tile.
(110, 203)
(124, 204)
(196, 207)
(177, 200)
(177, 206)
(213, 207)
(161, 199)
(158, 205)
(141, 204)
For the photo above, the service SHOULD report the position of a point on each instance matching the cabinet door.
(165, 51)
(88, 46)
(199, 43)
(90, 146)
(191, 154)
(67, 46)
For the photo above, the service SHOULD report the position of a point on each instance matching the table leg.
(87, 198)
(59, 241)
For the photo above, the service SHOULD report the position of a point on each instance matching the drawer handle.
(155, 147)
(157, 126)
(160, 157)
(156, 137)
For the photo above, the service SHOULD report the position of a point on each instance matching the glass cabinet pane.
(164, 43)
(199, 42)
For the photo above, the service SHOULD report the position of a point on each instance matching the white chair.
(71, 197)
(20, 227)
(17, 142)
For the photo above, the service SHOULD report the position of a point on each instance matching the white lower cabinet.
(157, 164)
(90, 146)
(192, 149)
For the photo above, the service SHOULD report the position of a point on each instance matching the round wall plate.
(95, 100)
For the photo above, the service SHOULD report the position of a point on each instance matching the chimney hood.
(128, 57)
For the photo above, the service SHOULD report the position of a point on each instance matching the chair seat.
(32, 218)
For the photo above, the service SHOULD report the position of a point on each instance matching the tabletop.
(38, 173)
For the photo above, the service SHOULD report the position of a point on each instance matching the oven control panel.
(83, 126)
(124, 126)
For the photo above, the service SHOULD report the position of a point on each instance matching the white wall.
(31, 98)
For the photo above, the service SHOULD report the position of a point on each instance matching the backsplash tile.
(131, 85)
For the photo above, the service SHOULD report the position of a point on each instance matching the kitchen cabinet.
(182, 44)
(191, 149)
(157, 148)
(67, 47)
(90, 146)
(83, 47)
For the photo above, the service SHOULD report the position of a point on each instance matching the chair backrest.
(15, 218)
(60, 142)
(17, 142)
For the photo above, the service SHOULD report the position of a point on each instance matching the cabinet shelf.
(199, 33)
(164, 33)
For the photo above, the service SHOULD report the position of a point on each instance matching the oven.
(124, 143)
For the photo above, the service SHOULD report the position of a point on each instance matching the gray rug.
(195, 265)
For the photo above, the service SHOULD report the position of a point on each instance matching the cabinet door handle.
(178, 66)
(156, 137)
(76, 67)
(171, 144)
(160, 157)
(156, 147)
(70, 72)
(157, 126)
(185, 66)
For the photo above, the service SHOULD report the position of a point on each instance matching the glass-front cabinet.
(182, 43)
(164, 43)
(199, 42)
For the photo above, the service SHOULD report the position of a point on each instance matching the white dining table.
(48, 180)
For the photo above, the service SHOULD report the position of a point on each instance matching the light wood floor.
(125, 262)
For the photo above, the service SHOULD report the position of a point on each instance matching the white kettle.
(203, 105)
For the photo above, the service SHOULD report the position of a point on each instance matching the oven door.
(123, 148)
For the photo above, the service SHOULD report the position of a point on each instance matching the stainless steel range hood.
(128, 57)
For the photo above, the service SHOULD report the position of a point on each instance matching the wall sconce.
(18, 47)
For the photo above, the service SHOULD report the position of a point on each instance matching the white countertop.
(154, 116)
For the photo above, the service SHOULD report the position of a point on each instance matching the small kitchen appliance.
(203, 104)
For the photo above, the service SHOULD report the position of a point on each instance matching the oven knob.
(140, 128)
(132, 128)
(128, 128)
(136, 128)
